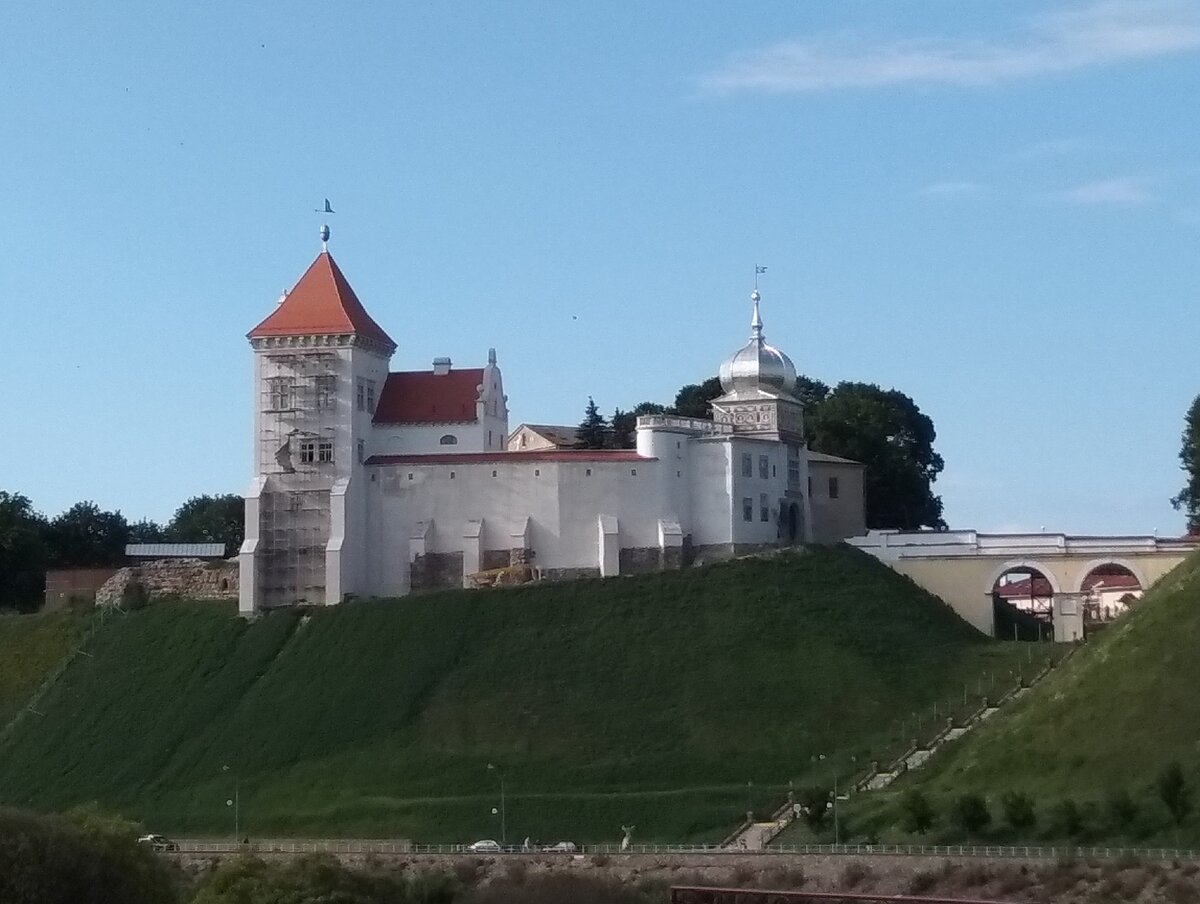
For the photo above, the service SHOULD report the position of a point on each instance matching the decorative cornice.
(324, 340)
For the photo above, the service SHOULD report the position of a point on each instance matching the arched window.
(448, 440)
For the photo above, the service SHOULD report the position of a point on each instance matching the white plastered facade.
(396, 510)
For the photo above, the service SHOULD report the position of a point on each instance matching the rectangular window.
(764, 508)
(324, 451)
(747, 509)
(308, 451)
(794, 472)
(809, 484)
(281, 393)
(764, 466)
(833, 488)
(360, 397)
(371, 396)
(326, 390)
(747, 464)
(362, 451)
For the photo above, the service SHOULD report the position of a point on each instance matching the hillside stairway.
(754, 835)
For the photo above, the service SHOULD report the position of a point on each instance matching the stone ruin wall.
(193, 579)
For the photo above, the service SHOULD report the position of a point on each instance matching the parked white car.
(158, 843)
(562, 847)
(485, 846)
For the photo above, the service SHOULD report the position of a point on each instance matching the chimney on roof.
(441, 367)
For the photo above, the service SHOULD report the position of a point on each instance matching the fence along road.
(399, 846)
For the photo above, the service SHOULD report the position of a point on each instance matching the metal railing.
(993, 851)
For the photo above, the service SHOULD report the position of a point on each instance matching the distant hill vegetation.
(671, 701)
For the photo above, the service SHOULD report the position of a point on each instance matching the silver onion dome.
(758, 369)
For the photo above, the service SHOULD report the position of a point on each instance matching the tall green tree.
(1189, 460)
(593, 429)
(694, 400)
(23, 553)
(887, 432)
(86, 536)
(624, 423)
(210, 519)
(146, 531)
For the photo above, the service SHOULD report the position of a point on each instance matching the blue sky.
(992, 206)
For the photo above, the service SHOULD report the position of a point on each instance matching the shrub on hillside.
(1121, 809)
(1175, 792)
(1018, 811)
(1066, 820)
(918, 812)
(322, 877)
(557, 888)
(814, 806)
(87, 859)
(971, 813)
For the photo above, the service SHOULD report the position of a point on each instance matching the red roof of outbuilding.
(423, 397)
(537, 455)
(321, 303)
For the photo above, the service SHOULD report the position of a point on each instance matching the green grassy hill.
(1107, 722)
(31, 647)
(653, 700)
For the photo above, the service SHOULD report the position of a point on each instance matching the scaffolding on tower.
(297, 443)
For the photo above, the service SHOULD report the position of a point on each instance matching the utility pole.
(503, 815)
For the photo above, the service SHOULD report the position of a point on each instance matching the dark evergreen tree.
(593, 431)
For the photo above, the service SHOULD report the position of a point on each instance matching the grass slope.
(1109, 720)
(31, 646)
(651, 699)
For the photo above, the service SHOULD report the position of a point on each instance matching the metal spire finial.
(756, 324)
(328, 208)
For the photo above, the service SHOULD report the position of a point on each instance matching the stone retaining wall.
(194, 579)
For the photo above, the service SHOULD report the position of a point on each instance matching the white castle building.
(371, 483)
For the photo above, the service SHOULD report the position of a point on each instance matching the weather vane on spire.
(325, 226)
(757, 271)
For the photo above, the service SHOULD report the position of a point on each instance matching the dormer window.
(448, 439)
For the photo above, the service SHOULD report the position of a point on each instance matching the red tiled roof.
(1114, 581)
(537, 455)
(321, 303)
(423, 397)
(1020, 589)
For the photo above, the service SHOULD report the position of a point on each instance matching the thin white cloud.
(1124, 191)
(957, 189)
(1103, 33)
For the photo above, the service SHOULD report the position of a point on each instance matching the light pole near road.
(235, 802)
(492, 767)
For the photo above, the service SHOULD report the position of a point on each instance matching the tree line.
(883, 429)
(86, 536)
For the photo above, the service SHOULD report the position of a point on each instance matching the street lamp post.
(235, 803)
(492, 767)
